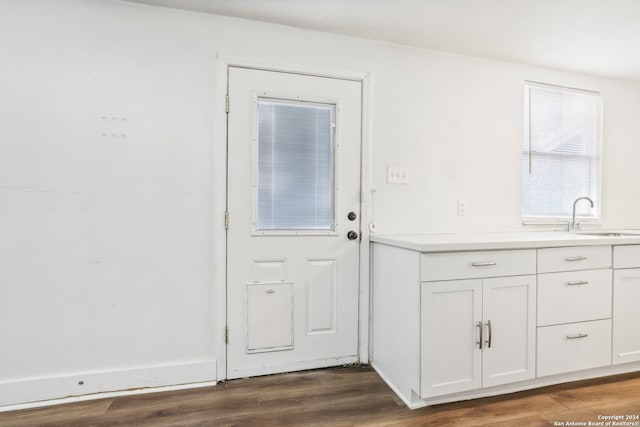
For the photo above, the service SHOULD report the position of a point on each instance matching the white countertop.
(504, 240)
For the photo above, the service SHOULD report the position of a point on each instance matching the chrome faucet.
(573, 224)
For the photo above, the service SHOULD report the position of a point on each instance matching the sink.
(605, 233)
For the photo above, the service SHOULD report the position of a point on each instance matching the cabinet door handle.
(483, 263)
(479, 325)
(576, 258)
(576, 336)
(490, 333)
(578, 282)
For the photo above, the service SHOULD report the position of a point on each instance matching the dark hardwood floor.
(351, 396)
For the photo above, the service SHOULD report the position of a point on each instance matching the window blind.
(560, 160)
(295, 165)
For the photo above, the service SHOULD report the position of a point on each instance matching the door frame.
(219, 176)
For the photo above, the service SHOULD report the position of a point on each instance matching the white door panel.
(269, 316)
(509, 319)
(626, 316)
(451, 351)
(293, 178)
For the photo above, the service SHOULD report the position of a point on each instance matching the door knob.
(352, 235)
(352, 216)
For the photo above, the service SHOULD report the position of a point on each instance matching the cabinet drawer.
(573, 347)
(574, 296)
(573, 258)
(468, 265)
(627, 256)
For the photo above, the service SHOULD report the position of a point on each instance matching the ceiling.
(600, 37)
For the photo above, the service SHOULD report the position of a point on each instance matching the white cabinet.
(626, 315)
(509, 310)
(572, 258)
(478, 264)
(458, 325)
(574, 309)
(574, 296)
(626, 256)
(478, 332)
(626, 304)
(573, 347)
(450, 335)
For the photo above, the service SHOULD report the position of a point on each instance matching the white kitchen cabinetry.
(626, 304)
(574, 309)
(547, 305)
(487, 340)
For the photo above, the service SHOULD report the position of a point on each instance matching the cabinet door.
(509, 305)
(626, 315)
(450, 337)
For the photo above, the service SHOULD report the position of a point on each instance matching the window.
(561, 151)
(295, 163)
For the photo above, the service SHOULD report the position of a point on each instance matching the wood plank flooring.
(350, 396)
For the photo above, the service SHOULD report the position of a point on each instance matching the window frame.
(596, 217)
(335, 103)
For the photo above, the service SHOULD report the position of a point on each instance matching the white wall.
(106, 247)
(111, 246)
(458, 126)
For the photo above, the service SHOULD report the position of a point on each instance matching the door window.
(295, 165)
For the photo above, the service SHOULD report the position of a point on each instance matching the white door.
(451, 339)
(294, 221)
(508, 307)
(626, 316)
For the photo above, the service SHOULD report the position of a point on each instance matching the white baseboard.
(39, 391)
(392, 386)
(416, 402)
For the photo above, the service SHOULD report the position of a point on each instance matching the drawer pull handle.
(578, 282)
(479, 325)
(490, 334)
(271, 291)
(576, 336)
(576, 258)
(483, 263)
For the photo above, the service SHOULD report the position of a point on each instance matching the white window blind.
(295, 165)
(561, 151)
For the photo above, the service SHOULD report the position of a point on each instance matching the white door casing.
(292, 287)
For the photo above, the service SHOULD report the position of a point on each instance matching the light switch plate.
(397, 175)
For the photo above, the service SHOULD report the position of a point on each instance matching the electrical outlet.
(396, 175)
(462, 207)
